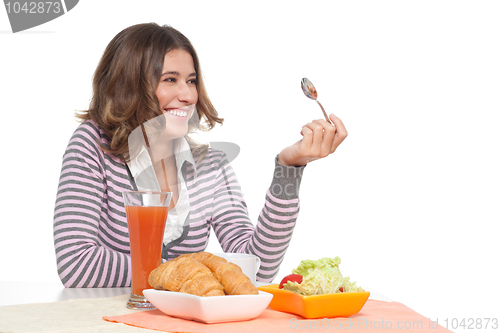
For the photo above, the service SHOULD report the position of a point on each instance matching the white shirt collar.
(182, 153)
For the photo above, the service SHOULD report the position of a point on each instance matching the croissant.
(234, 281)
(185, 275)
(202, 257)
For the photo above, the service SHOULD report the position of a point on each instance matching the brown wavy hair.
(125, 82)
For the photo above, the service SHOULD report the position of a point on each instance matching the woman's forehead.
(178, 59)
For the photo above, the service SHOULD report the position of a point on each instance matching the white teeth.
(178, 113)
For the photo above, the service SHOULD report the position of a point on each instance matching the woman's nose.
(187, 93)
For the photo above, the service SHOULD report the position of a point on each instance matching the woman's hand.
(320, 139)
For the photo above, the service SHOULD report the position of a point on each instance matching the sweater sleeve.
(270, 238)
(82, 260)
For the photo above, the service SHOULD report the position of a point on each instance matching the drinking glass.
(146, 217)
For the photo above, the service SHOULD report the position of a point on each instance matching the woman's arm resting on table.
(82, 261)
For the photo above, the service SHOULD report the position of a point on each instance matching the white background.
(409, 201)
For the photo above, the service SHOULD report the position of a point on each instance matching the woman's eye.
(169, 79)
(193, 81)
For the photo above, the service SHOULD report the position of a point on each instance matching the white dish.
(209, 310)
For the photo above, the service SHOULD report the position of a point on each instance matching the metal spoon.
(310, 91)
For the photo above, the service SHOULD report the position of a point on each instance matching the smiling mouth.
(181, 112)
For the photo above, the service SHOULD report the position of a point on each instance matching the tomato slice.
(292, 278)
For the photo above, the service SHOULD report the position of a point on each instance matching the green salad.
(321, 277)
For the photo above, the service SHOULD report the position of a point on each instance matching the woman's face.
(177, 93)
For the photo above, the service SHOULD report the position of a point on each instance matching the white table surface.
(16, 292)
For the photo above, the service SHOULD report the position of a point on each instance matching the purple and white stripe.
(90, 226)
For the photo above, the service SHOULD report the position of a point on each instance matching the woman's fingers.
(328, 132)
(307, 134)
(319, 139)
(310, 132)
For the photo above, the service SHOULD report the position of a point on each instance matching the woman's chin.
(172, 134)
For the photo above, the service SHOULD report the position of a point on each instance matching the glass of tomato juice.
(146, 217)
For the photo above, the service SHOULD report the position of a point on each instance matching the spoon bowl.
(311, 92)
(308, 89)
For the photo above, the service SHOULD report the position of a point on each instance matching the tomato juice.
(146, 226)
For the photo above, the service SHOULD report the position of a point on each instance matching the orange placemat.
(376, 316)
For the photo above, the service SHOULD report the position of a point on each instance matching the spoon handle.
(324, 113)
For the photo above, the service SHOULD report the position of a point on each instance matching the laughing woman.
(150, 72)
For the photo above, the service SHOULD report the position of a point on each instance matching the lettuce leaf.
(320, 277)
(349, 286)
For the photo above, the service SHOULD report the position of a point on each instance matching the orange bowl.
(316, 306)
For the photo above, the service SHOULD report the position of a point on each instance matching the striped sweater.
(90, 226)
